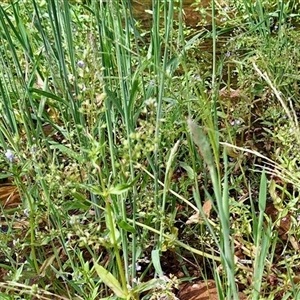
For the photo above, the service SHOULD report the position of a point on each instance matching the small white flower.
(9, 155)
(235, 122)
(152, 82)
(227, 54)
(138, 267)
(16, 242)
(150, 101)
(73, 220)
(26, 212)
(197, 77)
(80, 64)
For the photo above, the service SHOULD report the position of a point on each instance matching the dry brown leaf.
(232, 94)
(201, 290)
(207, 206)
(283, 225)
(196, 218)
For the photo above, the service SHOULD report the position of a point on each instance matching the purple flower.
(227, 54)
(9, 155)
(80, 64)
(152, 82)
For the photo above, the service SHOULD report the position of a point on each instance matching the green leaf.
(48, 95)
(190, 172)
(119, 189)
(4, 296)
(114, 233)
(70, 205)
(68, 151)
(201, 141)
(155, 256)
(2, 176)
(149, 285)
(124, 225)
(109, 280)
(263, 192)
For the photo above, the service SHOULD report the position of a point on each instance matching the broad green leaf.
(109, 280)
(201, 141)
(190, 172)
(122, 187)
(2, 176)
(119, 189)
(124, 225)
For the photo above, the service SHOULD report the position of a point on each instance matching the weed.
(138, 155)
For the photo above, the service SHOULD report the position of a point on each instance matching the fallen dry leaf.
(207, 206)
(196, 218)
(283, 225)
(201, 290)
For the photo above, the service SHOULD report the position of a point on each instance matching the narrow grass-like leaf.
(71, 153)
(155, 258)
(262, 206)
(147, 286)
(261, 252)
(48, 95)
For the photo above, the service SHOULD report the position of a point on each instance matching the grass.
(133, 161)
